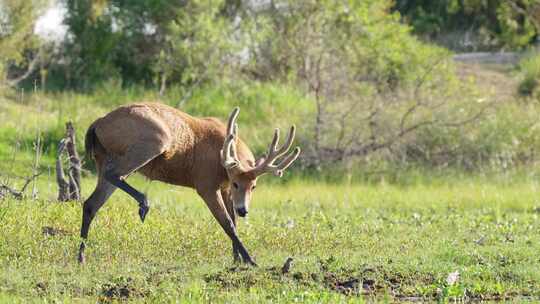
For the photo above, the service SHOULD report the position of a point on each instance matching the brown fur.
(171, 146)
(190, 145)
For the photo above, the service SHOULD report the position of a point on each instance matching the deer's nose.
(241, 211)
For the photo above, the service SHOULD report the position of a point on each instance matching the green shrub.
(529, 68)
(472, 25)
(505, 138)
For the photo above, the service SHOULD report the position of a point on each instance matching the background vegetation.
(320, 62)
(474, 25)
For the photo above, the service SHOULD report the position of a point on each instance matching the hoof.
(143, 211)
(250, 262)
(81, 258)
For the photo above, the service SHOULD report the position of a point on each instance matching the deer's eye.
(235, 185)
(253, 188)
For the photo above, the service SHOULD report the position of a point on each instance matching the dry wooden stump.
(69, 189)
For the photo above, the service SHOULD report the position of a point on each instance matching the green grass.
(529, 68)
(399, 241)
(396, 230)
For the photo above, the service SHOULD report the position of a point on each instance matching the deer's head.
(243, 180)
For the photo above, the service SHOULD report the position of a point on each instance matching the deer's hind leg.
(117, 169)
(103, 191)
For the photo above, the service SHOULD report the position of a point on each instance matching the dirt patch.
(494, 82)
(51, 231)
(121, 288)
(236, 277)
(344, 281)
(42, 287)
(368, 282)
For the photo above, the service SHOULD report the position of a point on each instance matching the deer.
(165, 144)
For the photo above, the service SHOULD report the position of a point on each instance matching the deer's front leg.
(215, 203)
(232, 214)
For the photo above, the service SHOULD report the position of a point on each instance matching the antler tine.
(268, 164)
(287, 161)
(288, 141)
(228, 159)
(233, 144)
(228, 155)
(273, 144)
(231, 125)
(235, 130)
(274, 153)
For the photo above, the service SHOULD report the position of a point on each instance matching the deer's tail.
(91, 142)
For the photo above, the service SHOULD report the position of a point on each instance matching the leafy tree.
(105, 43)
(374, 84)
(492, 23)
(18, 43)
(200, 42)
(146, 41)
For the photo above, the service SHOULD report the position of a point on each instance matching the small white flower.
(290, 224)
(452, 278)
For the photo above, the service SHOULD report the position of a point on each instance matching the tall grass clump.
(529, 68)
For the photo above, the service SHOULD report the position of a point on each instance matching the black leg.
(138, 196)
(91, 206)
(215, 203)
(232, 214)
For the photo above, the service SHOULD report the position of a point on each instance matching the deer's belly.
(172, 171)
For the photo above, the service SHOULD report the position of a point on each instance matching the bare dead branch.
(17, 194)
(28, 181)
(373, 146)
(5, 189)
(31, 68)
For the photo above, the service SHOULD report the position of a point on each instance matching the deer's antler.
(229, 160)
(268, 166)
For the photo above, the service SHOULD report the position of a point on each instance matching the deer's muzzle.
(242, 212)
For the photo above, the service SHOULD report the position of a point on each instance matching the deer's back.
(190, 145)
(137, 123)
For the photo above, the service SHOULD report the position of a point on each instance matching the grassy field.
(398, 235)
(350, 243)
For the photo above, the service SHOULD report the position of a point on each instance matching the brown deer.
(171, 146)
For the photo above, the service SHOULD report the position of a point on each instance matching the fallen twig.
(6, 190)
